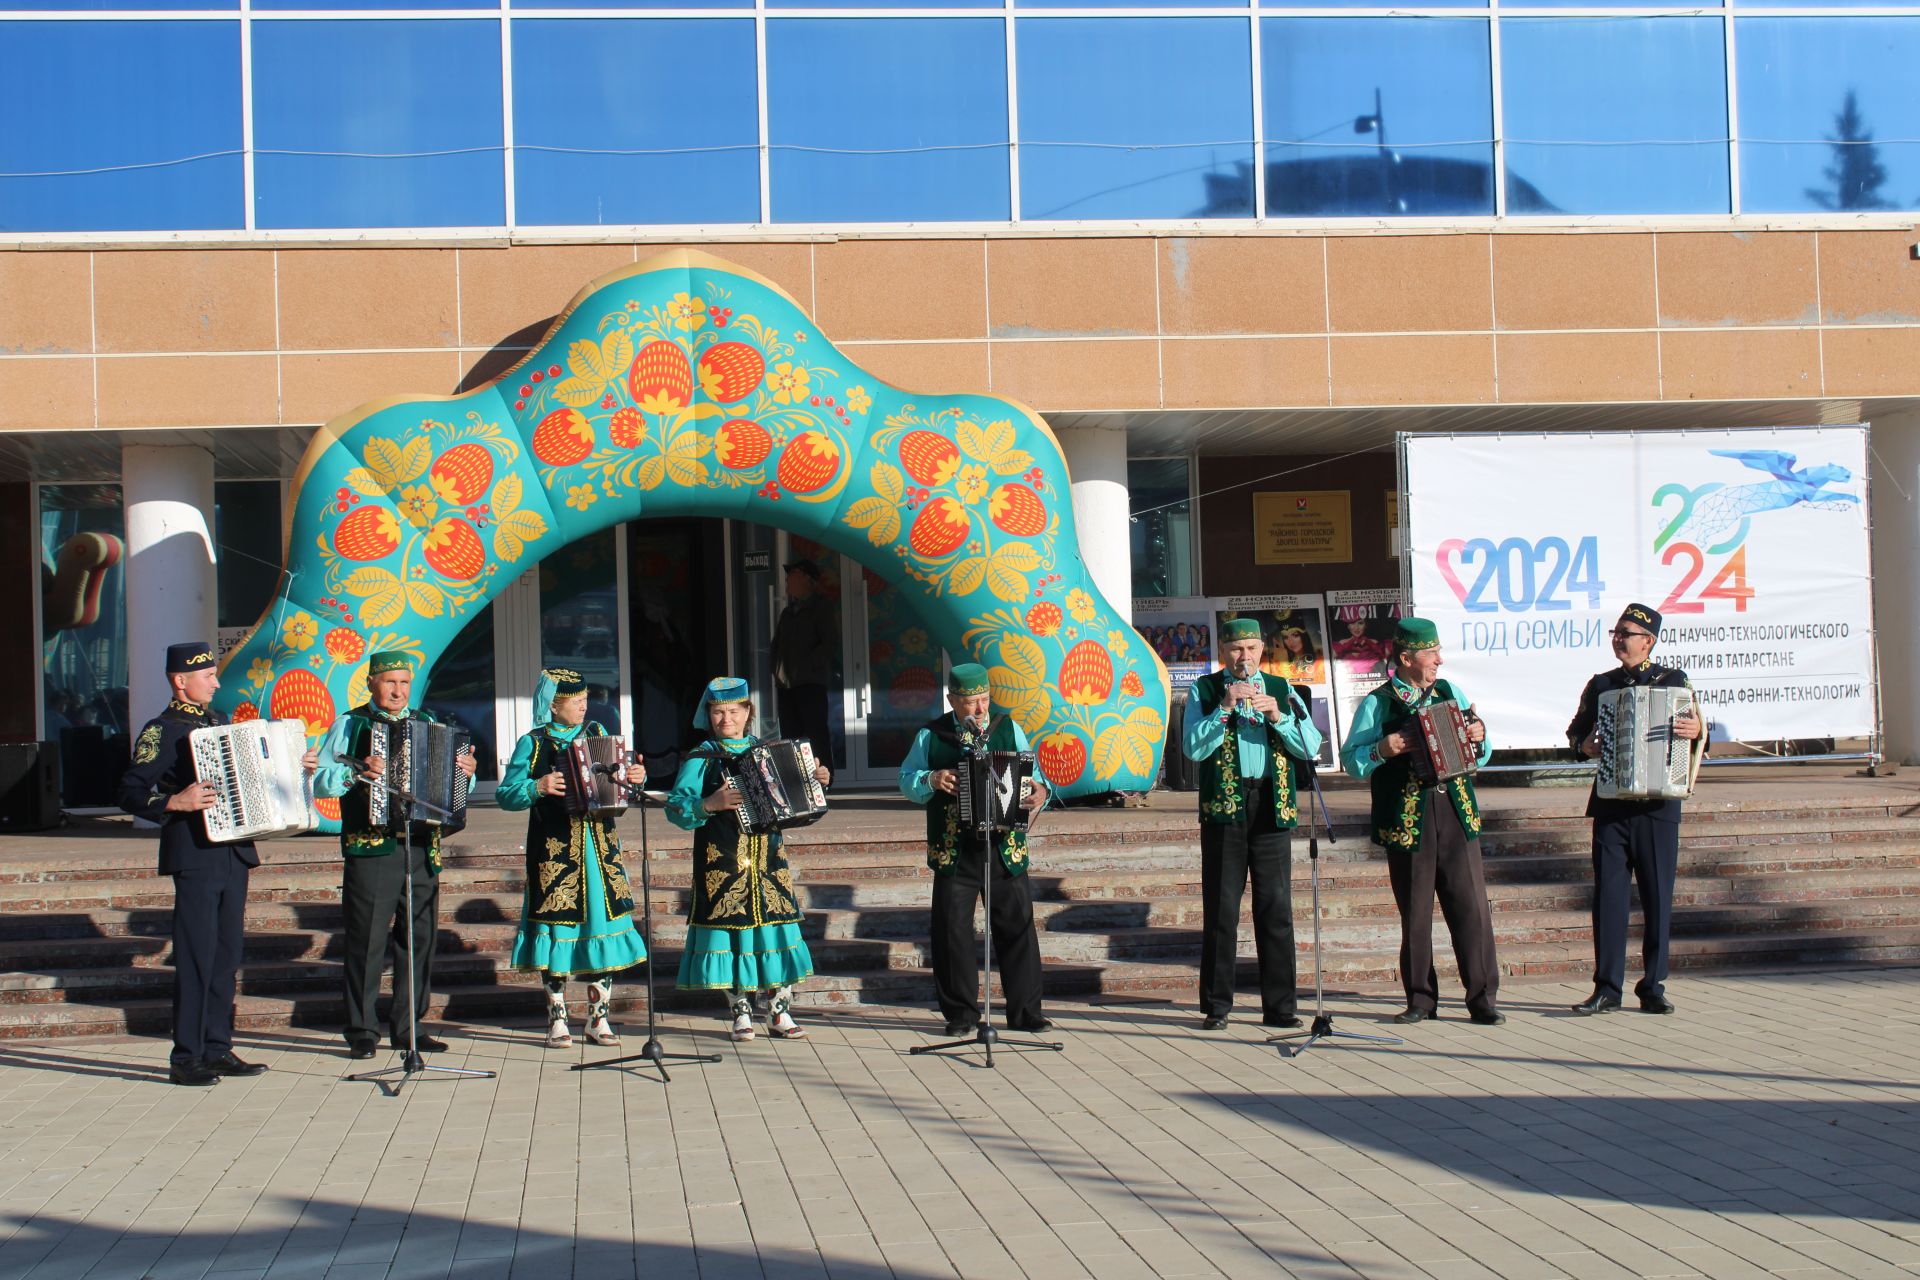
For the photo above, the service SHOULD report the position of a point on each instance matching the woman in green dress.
(577, 917)
(743, 934)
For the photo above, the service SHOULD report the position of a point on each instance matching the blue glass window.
(1135, 118)
(632, 4)
(92, 87)
(1828, 112)
(888, 119)
(377, 124)
(1377, 116)
(627, 120)
(1615, 115)
(80, 6)
(365, 5)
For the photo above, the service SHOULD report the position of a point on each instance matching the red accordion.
(1441, 749)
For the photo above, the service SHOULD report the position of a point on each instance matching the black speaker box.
(29, 786)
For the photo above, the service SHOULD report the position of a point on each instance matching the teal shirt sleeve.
(517, 790)
(913, 770)
(1356, 754)
(686, 803)
(335, 776)
(1203, 734)
(1298, 733)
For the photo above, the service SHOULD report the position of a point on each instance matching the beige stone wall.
(247, 337)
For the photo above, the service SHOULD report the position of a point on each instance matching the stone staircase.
(84, 938)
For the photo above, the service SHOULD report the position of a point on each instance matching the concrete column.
(1894, 493)
(1097, 457)
(171, 591)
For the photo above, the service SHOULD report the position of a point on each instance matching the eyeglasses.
(1620, 634)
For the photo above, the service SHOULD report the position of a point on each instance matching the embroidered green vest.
(946, 743)
(1221, 795)
(741, 881)
(557, 847)
(359, 838)
(1398, 797)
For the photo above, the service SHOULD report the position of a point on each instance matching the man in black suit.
(209, 879)
(1637, 840)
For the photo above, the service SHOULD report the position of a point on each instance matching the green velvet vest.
(557, 848)
(945, 745)
(1221, 795)
(1398, 797)
(359, 838)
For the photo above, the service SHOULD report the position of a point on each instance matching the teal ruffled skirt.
(757, 959)
(600, 945)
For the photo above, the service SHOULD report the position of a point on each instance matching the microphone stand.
(984, 1035)
(1322, 1028)
(651, 1053)
(410, 1061)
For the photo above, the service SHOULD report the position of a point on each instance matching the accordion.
(1640, 758)
(992, 791)
(1442, 750)
(261, 789)
(423, 761)
(776, 785)
(595, 773)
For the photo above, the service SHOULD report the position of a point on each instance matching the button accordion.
(1640, 756)
(776, 785)
(1442, 751)
(595, 771)
(992, 791)
(422, 760)
(261, 788)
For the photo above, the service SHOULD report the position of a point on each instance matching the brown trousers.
(1446, 864)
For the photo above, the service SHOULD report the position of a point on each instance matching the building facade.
(1209, 243)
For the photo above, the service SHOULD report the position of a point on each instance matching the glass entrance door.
(894, 677)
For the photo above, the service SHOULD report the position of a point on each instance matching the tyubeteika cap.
(968, 678)
(1415, 634)
(183, 659)
(720, 691)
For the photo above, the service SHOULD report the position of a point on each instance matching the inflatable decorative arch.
(687, 386)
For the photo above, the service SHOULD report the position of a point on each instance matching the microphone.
(1244, 673)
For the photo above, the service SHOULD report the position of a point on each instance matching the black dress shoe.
(1657, 1004)
(962, 1026)
(1407, 1017)
(1032, 1027)
(1217, 1022)
(1287, 1022)
(1597, 1003)
(427, 1044)
(193, 1073)
(1487, 1017)
(228, 1065)
(361, 1048)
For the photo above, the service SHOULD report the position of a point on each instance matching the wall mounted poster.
(1180, 630)
(1753, 545)
(1362, 625)
(1295, 631)
(1305, 526)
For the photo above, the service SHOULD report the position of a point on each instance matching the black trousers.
(803, 714)
(1647, 851)
(1229, 854)
(373, 893)
(1016, 948)
(1446, 864)
(209, 935)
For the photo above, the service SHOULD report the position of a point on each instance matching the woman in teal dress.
(743, 934)
(577, 917)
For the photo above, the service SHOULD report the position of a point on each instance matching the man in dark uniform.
(960, 863)
(1431, 833)
(1632, 839)
(806, 640)
(1250, 734)
(209, 879)
(373, 885)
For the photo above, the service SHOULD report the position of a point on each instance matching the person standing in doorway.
(806, 640)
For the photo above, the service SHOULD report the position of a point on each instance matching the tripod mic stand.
(1322, 1028)
(651, 1052)
(410, 1062)
(984, 1035)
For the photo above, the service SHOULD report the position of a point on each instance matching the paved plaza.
(1772, 1128)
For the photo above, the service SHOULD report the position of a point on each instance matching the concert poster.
(1362, 623)
(1294, 628)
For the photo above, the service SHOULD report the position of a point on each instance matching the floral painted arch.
(687, 386)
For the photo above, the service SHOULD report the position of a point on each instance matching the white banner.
(1752, 544)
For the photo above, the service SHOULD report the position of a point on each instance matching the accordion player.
(777, 785)
(256, 771)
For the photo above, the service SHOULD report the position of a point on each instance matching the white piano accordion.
(776, 785)
(992, 791)
(422, 760)
(261, 788)
(1640, 756)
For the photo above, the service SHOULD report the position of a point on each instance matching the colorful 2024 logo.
(1547, 574)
